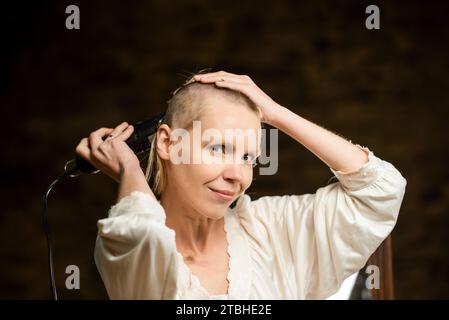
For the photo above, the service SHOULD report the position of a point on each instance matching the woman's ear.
(163, 141)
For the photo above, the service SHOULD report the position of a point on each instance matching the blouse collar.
(239, 275)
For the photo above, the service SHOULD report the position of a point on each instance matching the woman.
(182, 240)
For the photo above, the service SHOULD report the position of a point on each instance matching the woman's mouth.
(222, 194)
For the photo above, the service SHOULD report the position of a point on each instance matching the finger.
(215, 78)
(126, 133)
(82, 149)
(237, 86)
(119, 129)
(96, 137)
(211, 74)
(216, 73)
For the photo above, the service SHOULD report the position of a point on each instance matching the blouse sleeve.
(320, 239)
(135, 252)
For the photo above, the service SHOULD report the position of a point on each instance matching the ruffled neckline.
(239, 273)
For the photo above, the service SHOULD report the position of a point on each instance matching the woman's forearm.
(335, 151)
(133, 179)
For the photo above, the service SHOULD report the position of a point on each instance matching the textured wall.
(384, 89)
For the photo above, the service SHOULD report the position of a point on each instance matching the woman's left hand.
(245, 85)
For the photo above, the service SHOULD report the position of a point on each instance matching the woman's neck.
(195, 233)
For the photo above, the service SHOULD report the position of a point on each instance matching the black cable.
(47, 232)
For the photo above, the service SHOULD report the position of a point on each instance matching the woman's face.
(227, 138)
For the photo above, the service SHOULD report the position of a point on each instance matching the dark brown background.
(385, 89)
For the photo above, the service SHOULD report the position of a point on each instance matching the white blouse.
(280, 247)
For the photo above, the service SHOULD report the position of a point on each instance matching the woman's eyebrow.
(254, 153)
(229, 145)
(211, 139)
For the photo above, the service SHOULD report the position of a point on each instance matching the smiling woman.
(182, 239)
(189, 104)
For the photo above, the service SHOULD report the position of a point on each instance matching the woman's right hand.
(112, 155)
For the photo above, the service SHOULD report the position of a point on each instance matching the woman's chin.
(216, 214)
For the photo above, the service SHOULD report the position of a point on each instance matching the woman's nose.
(233, 172)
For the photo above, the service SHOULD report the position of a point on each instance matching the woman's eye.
(218, 148)
(249, 158)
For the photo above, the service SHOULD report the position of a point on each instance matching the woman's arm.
(319, 239)
(135, 251)
(132, 179)
(336, 152)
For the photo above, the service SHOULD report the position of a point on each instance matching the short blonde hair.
(185, 106)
